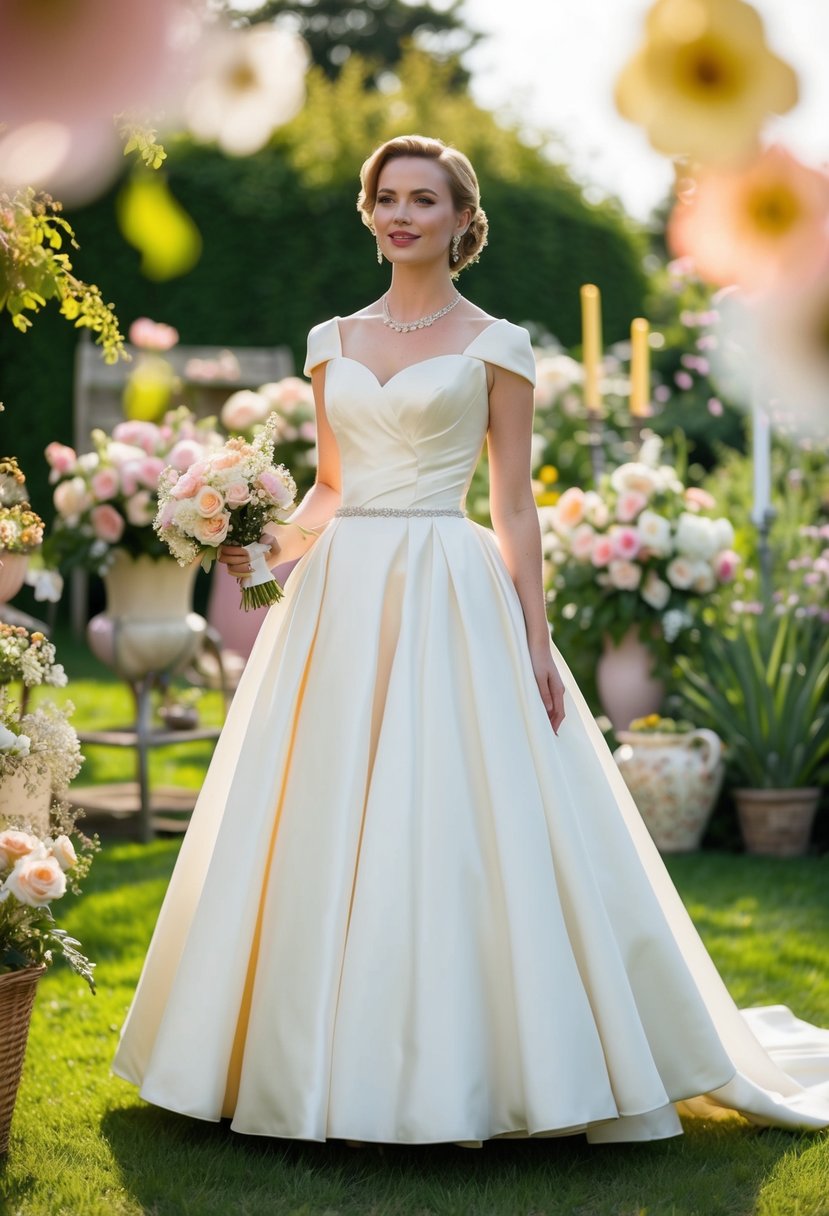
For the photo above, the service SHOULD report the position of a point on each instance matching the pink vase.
(12, 574)
(238, 629)
(625, 682)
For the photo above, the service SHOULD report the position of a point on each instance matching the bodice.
(414, 440)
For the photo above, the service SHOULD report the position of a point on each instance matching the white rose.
(654, 531)
(624, 575)
(64, 851)
(655, 591)
(36, 881)
(704, 579)
(596, 511)
(723, 534)
(634, 476)
(680, 573)
(696, 536)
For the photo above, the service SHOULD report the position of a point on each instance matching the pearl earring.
(379, 252)
(456, 240)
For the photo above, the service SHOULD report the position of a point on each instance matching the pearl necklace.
(404, 327)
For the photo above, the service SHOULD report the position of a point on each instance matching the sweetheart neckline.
(458, 354)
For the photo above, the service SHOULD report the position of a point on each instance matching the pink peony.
(237, 494)
(144, 435)
(107, 523)
(626, 542)
(152, 335)
(602, 551)
(105, 484)
(630, 503)
(61, 458)
(209, 502)
(185, 453)
(212, 531)
(725, 565)
(149, 472)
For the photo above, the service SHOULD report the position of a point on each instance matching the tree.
(375, 29)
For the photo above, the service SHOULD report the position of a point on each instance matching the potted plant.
(21, 529)
(763, 685)
(674, 770)
(629, 562)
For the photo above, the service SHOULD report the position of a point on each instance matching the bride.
(416, 902)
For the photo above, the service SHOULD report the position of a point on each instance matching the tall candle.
(761, 459)
(640, 368)
(591, 328)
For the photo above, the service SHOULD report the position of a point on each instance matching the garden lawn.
(84, 1144)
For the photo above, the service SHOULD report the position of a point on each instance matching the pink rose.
(237, 494)
(107, 523)
(630, 503)
(61, 458)
(149, 472)
(602, 551)
(140, 509)
(168, 513)
(725, 565)
(624, 575)
(129, 471)
(152, 335)
(569, 510)
(14, 845)
(187, 486)
(209, 502)
(213, 530)
(226, 460)
(36, 881)
(105, 484)
(144, 435)
(244, 408)
(699, 500)
(185, 453)
(626, 542)
(308, 431)
(582, 542)
(275, 488)
(71, 497)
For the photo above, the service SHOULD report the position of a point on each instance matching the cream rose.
(624, 575)
(655, 591)
(209, 502)
(212, 531)
(14, 845)
(63, 850)
(36, 881)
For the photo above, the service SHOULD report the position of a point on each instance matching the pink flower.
(226, 460)
(699, 500)
(152, 335)
(107, 523)
(212, 531)
(167, 513)
(602, 551)
(237, 494)
(569, 510)
(105, 484)
(626, 542)
(582, 541)
(725, 565)
(185, 453)
(140, 509)
(149, 472)
(209, 502)
(684, 380)
(62, 459)
(275, 488)
(624, 575)
(187, 486)
(129, 472)
(71, 498)
(36, 880)
(243, 409)
(144, 435)
(629, 505)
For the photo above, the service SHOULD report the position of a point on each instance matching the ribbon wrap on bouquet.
(259, 588)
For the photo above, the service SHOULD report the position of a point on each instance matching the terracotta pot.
(627, 689)
(26, 797)
(149, 625)
(675, 781)
(17, 995)
(777, 823)
(12, 574)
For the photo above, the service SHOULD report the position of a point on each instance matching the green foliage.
(764, 687)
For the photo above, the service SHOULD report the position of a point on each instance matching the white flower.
(251, 81)
(680, 573)
(36, 880)
(704, 579)
(624, 575)
(48, 584)
(655, 591)
(696, 536)
(654, 532)
(634, 476)
(723, 533)
(673, 622)
(555, 374)
(596, 510)
(651, 450)
(64, 851)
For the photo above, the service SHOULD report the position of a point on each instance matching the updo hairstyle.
(463, 186)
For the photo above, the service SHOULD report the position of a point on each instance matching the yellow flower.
(547, 498)
(548, 473)
(704, 80)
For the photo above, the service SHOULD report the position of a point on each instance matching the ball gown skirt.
(405, 910)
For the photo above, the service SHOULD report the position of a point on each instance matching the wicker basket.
(17, 996)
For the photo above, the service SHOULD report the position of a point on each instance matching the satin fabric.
(404, 910)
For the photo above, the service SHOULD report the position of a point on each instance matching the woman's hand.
(237, 559)
(550, 685)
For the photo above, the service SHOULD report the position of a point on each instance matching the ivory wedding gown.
(405, 910)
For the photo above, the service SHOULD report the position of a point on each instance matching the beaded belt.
(411, 511)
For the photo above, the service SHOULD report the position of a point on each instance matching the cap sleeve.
(506, 345)
(323, 344)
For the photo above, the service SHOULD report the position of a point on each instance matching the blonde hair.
(463, 186)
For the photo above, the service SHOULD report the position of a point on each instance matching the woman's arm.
(295, 537)
(515, 520)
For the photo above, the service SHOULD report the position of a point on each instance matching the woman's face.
(414, 216)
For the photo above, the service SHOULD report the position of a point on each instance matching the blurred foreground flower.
(704, 80)
(761, 227)
(249, 82)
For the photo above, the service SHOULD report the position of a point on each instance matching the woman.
(416, 902)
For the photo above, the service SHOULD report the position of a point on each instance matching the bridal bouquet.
(228, 496)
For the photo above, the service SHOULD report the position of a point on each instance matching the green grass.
(84, 1144)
